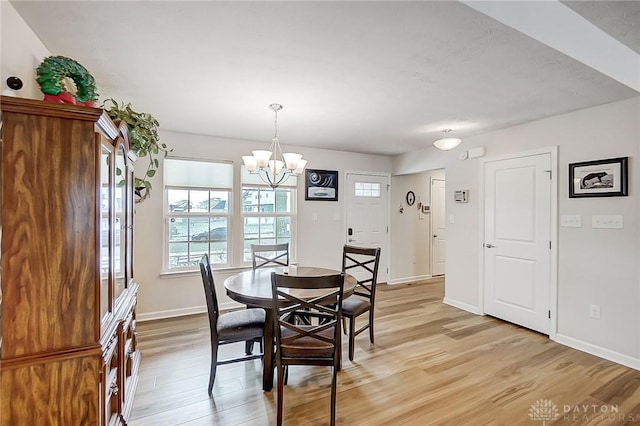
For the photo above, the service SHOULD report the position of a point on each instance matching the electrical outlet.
(594, 311)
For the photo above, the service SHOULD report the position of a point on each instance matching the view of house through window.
(198, 214)
(198, 223)
(201, 217)
(266, 217)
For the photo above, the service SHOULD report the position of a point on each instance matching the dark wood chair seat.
(355, 306)
(241, 325)
(306, 346)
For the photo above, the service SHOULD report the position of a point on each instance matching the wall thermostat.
(461, 196)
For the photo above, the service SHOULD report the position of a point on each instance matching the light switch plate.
(613, 221)
(571, 221)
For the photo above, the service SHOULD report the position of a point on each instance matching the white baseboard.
(463, 306)
(598, 351)
(407, 280)
(171, 313)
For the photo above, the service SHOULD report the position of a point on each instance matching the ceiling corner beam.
(559, 27)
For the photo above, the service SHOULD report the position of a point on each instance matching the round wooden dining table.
(253, 288)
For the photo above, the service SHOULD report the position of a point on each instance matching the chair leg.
(352, 338)
(280, 393)
(371, 325)
(214, 365)
(334, 385)
(344, 325)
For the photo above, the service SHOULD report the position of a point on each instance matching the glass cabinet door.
(106, 172)
(129, 223)
(120, 234)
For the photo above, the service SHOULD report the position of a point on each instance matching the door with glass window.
(367, 215)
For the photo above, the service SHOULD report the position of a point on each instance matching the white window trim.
(235, 216)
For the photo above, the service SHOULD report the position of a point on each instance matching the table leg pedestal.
(268, 358)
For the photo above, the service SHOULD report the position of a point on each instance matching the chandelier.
(274, 171)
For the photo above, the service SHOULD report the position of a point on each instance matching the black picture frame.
(321, 185)
(599, 178)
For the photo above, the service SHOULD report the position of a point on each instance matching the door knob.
(351, 240)
(489, 245)
(435, 236)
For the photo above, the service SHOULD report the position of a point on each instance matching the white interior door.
(438, 227)
(517, 244)
(367, 215)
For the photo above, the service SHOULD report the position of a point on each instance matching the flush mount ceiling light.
(274, 171)
(447, 143)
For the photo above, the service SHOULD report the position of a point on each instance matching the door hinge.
(549, 312)
(549, 245)
(388, 187)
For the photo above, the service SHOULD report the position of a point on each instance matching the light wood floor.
(432, 364)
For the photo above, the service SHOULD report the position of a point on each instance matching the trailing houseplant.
(144, 140)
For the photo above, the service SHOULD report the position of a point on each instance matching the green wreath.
(54, 69)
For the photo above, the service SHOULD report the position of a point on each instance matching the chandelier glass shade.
(273, 165)
(447, 143)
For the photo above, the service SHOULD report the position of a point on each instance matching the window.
(203, 214)
(367, 189)
(268, 215)
(198, 217)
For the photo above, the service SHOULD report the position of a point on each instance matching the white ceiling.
(371, 77)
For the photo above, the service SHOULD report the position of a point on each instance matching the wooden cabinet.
(68, 337)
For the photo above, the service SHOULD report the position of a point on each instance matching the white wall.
(596, 266)
(319, 242)
(411, 231)
(22, 52)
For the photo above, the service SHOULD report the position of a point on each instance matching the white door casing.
(438, 227)
(367, 215)
(518, 255)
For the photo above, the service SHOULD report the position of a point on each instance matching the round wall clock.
(411, 198)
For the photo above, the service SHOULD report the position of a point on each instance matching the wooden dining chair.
(270, 255)
(317, 341)
(245, 325)
(362, 263)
